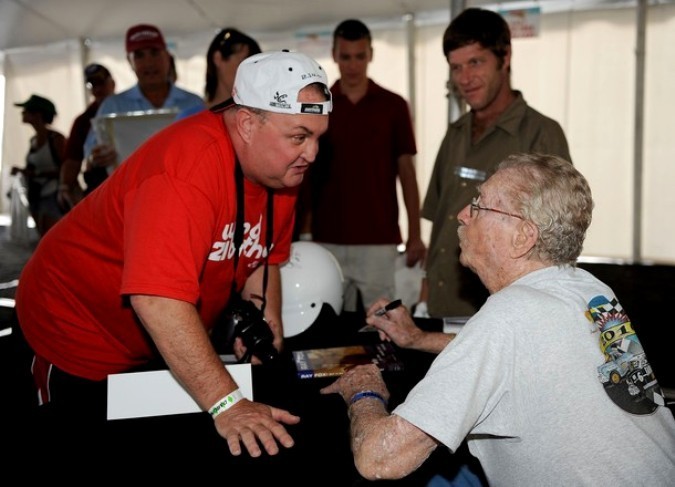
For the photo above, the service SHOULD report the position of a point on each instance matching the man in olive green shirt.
(477, 44)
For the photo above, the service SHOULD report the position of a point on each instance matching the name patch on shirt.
(470, 173)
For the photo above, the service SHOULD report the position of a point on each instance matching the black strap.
(268, 244)
(239, 226)
(223, 105)
(51, 140)
(239, 231)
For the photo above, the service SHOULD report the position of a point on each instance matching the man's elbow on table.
(392, 449)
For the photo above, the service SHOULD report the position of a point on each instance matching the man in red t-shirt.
(143, 267)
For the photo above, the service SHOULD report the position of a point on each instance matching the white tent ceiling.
(35, 22)
(30, 22)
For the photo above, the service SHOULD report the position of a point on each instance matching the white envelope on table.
(158, 393)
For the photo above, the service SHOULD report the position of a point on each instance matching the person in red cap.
(151, 62)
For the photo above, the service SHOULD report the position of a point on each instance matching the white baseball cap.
(272, 81)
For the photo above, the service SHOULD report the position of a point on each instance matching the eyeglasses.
(474, 207)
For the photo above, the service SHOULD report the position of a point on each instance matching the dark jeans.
(71, 423)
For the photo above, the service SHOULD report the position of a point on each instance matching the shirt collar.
(509, 121)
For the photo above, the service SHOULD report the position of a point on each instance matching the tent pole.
(84, 61)
(409, 20)
(639, 128)
(455, 104)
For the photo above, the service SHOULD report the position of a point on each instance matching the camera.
(250, 325)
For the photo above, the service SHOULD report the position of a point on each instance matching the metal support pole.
(639, 128)
(84, 61)
(455, 105)
(409, 20)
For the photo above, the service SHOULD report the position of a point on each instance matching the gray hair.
(551, 193)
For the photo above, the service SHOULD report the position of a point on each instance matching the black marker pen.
(393, 305)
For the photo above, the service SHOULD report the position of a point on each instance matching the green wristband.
(226, 403)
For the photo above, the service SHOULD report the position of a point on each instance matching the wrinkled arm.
(385, 446)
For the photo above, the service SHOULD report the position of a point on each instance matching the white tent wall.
(659, 146)
(432, 107)
(52, 71)
(600, 126)
(579, 71)
(600, 121)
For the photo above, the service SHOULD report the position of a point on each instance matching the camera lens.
(265, 352)
(255, 333)
(258, 339)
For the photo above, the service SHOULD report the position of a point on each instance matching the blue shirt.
(132, 100)
(190, 111)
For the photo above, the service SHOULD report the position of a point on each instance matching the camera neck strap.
(239, 231)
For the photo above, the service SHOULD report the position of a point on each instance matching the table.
(187, 446)
(321, 455)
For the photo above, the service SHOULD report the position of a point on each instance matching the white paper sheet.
(158, 393)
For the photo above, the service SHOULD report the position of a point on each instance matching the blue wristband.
(366, 394)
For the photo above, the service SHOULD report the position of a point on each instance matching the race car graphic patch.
(626, 375)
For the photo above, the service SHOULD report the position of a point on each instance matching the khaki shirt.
(460, 166)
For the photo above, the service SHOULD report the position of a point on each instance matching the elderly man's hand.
(358, 379)
(395, 325)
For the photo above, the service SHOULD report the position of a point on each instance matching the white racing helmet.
(311, 277)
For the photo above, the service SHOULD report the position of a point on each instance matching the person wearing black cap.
(150, 259)
(150, 60)
(42, 162)
(100, 84)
